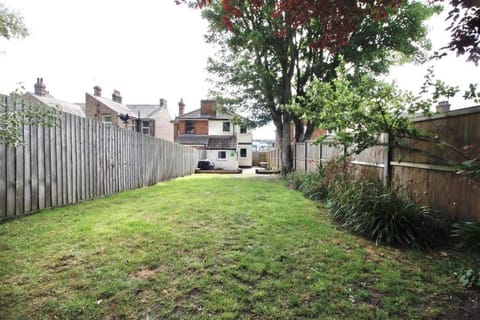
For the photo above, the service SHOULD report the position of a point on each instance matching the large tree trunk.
(282, 124)
(286, 149)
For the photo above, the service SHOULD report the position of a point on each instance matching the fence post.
(306, 157)
(320, 150)
(386, 160)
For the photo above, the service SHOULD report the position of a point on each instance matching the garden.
(222, 247)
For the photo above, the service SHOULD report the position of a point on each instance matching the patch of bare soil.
(145, 273)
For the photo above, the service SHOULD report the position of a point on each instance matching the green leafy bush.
(312, 185)
(468, 232)
(385, 215)
(469, 278)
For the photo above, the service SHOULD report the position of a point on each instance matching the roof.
(196, 115)
(115, 106)
(210, 142)
(222, 142)
(147, 111)
(192, 139)
(64, 106)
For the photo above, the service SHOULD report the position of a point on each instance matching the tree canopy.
(265, 62)
(340, 18)
(11, 24)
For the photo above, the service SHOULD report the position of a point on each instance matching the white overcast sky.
(146, 49)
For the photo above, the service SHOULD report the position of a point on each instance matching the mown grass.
(213, 247)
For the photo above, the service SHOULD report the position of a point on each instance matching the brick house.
(154, 119)
(110, 112)
(225, 140)
(41, 96)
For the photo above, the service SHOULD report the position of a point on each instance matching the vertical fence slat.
(47, 167)
(34, 167)
(27, 173)
(3, 182)
(11, 186)
(53, 166)
(19, 180)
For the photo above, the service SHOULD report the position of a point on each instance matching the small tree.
(359, 111)
(14, 115)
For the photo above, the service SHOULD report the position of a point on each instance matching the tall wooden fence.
(432, 180)
(83, 159)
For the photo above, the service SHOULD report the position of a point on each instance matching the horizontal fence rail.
(83, 159)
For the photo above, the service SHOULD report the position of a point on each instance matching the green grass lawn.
(213, 247)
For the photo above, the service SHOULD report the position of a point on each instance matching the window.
(146, 127)
(226, 126)
(107, 119)
(243, 129)
(222, 155)
(189, 127)
(243, 153)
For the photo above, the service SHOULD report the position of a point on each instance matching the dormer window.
(226, 126)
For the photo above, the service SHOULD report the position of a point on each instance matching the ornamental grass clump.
(383, 214)
(468, 232)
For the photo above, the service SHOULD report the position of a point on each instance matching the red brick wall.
(207, 108)
(201, 127)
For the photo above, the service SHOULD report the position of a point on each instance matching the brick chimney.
(97, 91)
(207, 108)
(116, 96)
(163, 102)
(40, 88)
(181, 108)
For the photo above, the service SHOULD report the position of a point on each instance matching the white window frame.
(220, 158)
(147, 128)
(108, 123)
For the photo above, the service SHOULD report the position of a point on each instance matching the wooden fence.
(83, 159)
(432, 180)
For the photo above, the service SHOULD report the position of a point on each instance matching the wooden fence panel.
(83, 159)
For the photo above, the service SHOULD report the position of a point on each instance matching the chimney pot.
(97, 91)
(181, 107)
(443, 106)
(39, 88)
(116, 96)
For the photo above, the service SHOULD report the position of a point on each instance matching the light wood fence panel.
(83, 159)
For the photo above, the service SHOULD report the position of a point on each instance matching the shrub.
(468, 232)
(469, 278)
(294, 180)
(312, 185)
(368, 208)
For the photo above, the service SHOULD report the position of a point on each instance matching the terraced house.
(226, 141)
(110, 112)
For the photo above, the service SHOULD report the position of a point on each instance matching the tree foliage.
(265, 62)
(464, 19)
(15, 115)
(11, 24)
(360, 111)
(339, 19)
